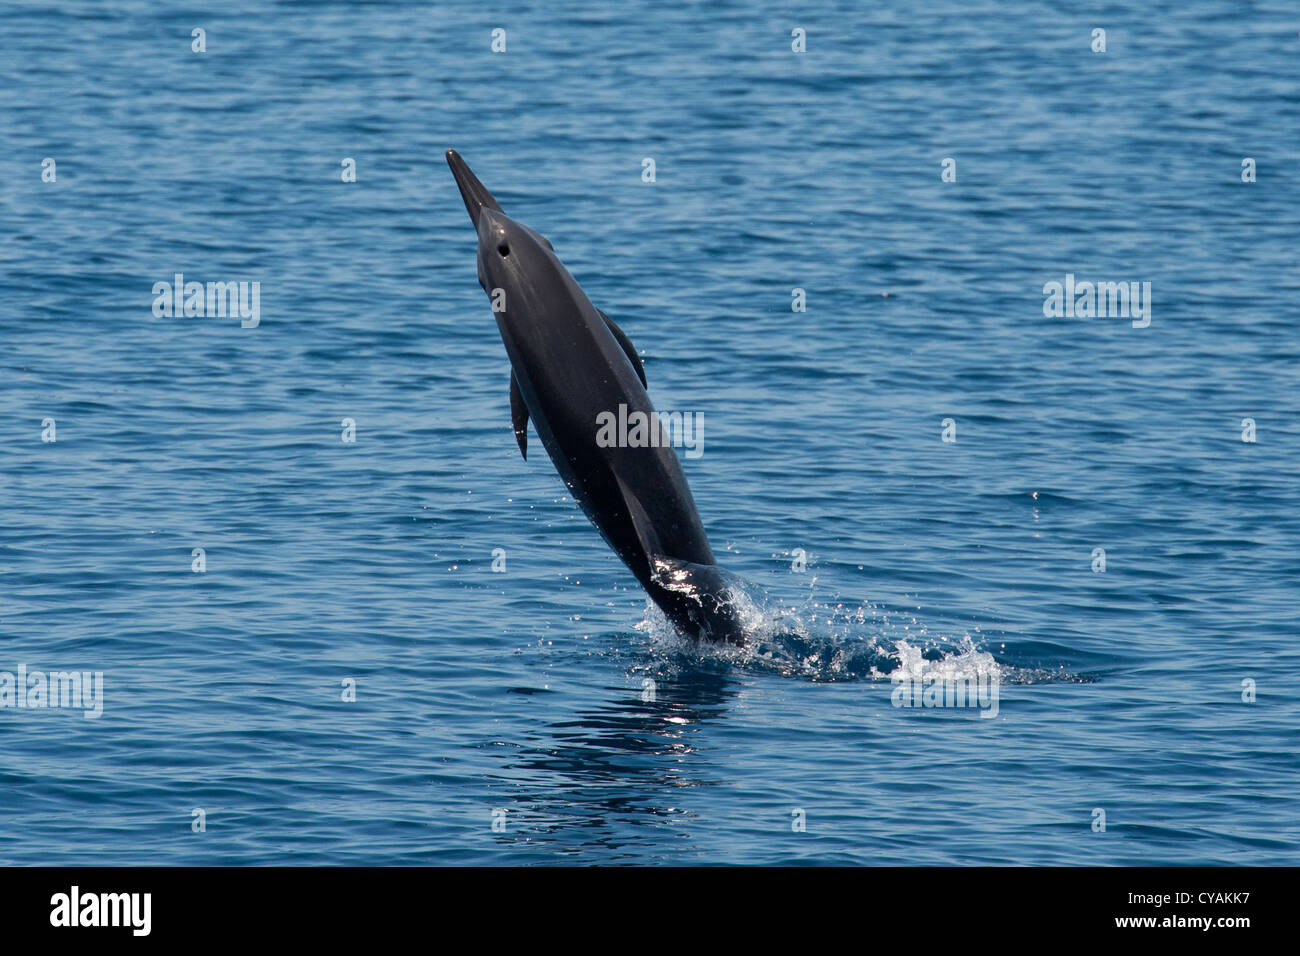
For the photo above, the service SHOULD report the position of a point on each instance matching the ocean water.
(547, 697)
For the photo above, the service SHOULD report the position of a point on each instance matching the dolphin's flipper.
(628, 347)
(519, 415)
(641, 523)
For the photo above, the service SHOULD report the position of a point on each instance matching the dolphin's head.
(500, 238)
(509, 250)
(515, 263)
(473, 192)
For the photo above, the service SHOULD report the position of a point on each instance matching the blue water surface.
(547, 696)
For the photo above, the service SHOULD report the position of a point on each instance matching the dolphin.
(569, 363)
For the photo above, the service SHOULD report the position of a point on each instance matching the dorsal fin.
(519, 415)
(628, 347)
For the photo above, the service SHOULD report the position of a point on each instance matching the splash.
(827, 642)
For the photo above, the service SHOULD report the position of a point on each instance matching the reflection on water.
(583, 780)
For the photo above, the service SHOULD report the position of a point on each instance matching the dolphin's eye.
(504, 249)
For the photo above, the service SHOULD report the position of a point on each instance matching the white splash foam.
(825, 642)
(964, 661)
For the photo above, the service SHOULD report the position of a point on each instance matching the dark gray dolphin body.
(569, 363)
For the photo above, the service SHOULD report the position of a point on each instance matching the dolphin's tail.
(700, 599)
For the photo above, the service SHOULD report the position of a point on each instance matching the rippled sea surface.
(547, 696)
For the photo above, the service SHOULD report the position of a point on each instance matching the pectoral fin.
(641, 523)
(519, 415)
(628, 347)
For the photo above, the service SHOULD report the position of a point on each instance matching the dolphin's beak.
(472, 191)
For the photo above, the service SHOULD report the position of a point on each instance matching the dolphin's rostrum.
(569, 363)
